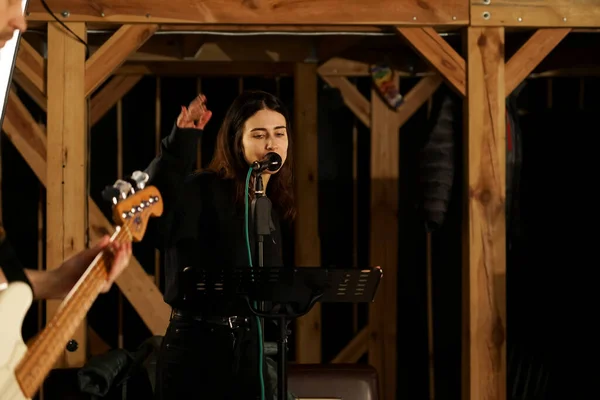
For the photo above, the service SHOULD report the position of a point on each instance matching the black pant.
(203, 360)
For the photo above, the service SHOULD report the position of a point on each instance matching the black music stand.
(289, 292)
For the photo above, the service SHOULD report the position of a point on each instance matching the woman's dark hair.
(229, 162)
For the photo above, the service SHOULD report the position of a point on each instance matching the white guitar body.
(14, 303)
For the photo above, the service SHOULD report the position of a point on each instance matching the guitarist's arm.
(175, 162)
(56, 283)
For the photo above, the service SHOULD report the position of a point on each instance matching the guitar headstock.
(134, 203)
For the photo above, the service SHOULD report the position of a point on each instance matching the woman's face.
(263, 133)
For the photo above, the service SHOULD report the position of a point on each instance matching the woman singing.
(211, 351)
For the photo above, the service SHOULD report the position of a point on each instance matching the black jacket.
(201, 226)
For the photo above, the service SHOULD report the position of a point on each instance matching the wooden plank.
(66, 162)
(307, 242)
(110, 94)
(338, 66)
(438, 53)
(32, 91)
(417, 96)
(353, 99)
(322, 12)
(524, 61)
(203, 69)
(32, 65)
(484, 293)
(30, 141)
(354, 350)
(383, 247)
(26, 135)
(114, 52)
(536, 13)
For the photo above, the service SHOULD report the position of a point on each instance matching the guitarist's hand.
(71, 270)
(196, 115)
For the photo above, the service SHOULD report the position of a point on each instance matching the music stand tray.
(287, 293)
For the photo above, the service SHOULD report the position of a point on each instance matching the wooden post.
(383, 247)
(484, 253)
(308, 244)
(66, 160)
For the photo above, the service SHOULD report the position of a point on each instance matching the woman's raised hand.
(196, 115)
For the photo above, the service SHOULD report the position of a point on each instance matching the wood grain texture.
(307, 241)
(383, 243)
(536, 13)
(66, 162)
(112, 54)
(524, 61)
(484, 293)
(439, 54)
(296, 12)
(32, 65)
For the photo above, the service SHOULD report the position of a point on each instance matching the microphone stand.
(261, 213)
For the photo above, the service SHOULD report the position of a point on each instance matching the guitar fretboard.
(47, 348)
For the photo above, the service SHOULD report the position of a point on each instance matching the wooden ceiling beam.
(439, 54)
(535, 13)
(114, 52)
(529, 56)
(32, 65)
(293, 12)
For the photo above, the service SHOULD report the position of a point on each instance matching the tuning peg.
(140, 178)
(111, 194)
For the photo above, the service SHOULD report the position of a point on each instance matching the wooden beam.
(32, 91)
(524, 61)
(32, 65)
(26, 135)
(383, 247)
(417, 96)
(66, 162)
(30, 141)
(332, 46)
(338, 66)
(536, 13)
(438, 53)
(484, 284)
(110, 94)
(307, 242)
(321, 12)
(113, 53)
(353, 99)
(354, 350)
(204, 69)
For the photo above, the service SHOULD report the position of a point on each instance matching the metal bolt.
(486, 15)
(102, 14)
(148, 15)
(66, 14)
(414, 18)
(487, 1)
(520, 19)
(454, 18)
(565, 19)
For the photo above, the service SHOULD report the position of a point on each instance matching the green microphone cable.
(260, 333)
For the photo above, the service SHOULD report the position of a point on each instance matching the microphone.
(272, 162)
